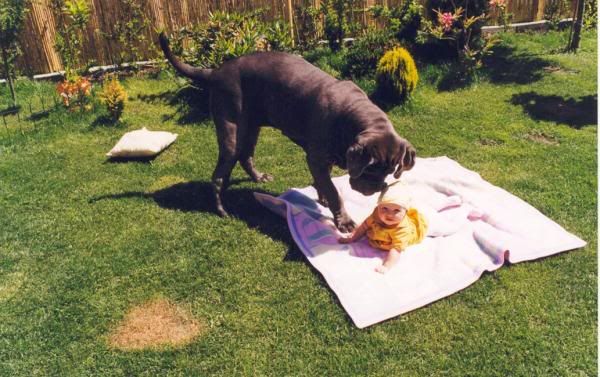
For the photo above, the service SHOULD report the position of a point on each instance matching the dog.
(333, 121)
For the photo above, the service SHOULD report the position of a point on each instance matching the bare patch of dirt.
(155, 324)
(557, 69)
(542, 138)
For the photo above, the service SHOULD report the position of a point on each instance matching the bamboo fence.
(38, 37)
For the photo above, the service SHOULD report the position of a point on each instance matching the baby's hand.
(381, 269)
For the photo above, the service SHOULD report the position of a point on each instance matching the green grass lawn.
(83, 240)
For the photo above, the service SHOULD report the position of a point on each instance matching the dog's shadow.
(198, 196)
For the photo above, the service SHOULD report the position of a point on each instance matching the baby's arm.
(356, 235)
(390, 260)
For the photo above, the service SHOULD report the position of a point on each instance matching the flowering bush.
(463, 30)
(75, 92)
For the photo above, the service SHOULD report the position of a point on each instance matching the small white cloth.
(142, 143)
(474, 227)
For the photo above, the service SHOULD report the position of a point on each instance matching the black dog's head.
(373, 157)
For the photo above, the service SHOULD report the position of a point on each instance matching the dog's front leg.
(325, 189)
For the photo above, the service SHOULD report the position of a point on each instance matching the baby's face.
(391, 214)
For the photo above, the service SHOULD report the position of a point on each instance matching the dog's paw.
(263, 178)
(345, 225)
(221, 211)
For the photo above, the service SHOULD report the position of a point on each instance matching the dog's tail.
(197, 74)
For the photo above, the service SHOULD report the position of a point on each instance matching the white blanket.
(474, 227)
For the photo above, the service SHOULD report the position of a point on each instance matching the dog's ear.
(357, 159)
(406, 158)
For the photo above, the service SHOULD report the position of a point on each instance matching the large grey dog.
(333, 121)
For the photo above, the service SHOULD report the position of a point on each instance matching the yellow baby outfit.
(410, 231)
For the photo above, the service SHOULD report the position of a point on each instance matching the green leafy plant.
(12, 15)
(554, 10)
(590, 15)
(309, 27)
(129, 32)
(462, 29)
(362, 57)
(73, 16)
(396, 75)
(229, 35)
(402, 22)
(113, 96)
(338, 21)
(503, 17)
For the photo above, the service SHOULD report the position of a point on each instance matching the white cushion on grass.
(142, 143)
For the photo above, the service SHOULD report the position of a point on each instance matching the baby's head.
(393, 203)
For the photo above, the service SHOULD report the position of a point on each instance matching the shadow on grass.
(575, 112)
(106, 121)
(125, 160)
(506, 66)
(240, 203)
(191, 104)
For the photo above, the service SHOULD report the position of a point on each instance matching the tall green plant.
(590, 15)
(309, 27)
(12, 15)
(73, 16)
(554, 11)
(403, 22)
(333, 22)
(129, 31)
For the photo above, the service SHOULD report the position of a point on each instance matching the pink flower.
(447, 19)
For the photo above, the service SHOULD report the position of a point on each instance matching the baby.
(392, 226)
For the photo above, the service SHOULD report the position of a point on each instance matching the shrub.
(403, 22)
(230, 35)
(396, 75)
(113, 95)
(329, 61)
(362, 57)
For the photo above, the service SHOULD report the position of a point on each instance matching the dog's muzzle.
(366, 187)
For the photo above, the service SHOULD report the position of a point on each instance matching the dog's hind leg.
(247, 155)
(228, 156)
